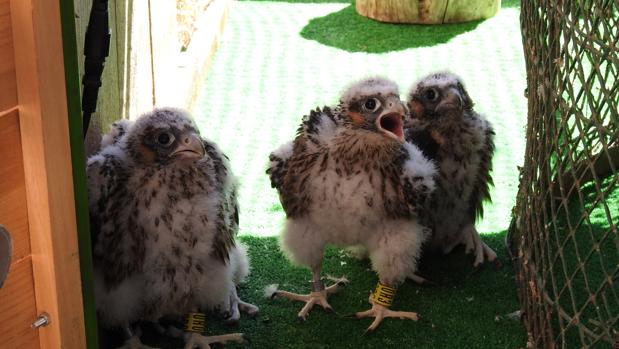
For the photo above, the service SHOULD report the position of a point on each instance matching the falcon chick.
(349, 178)
(164, 213)
(461, 142)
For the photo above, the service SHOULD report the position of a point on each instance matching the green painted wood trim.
(78, 158)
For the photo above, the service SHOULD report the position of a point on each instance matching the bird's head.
(163, 136)
(438, 95)
(374, 104)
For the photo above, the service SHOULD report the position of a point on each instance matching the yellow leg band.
(384, 295)
(195, 322)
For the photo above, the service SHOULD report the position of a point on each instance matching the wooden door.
(37, 205)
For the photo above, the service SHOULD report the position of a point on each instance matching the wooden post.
(41, 94)
(427, 11)
(144, 67)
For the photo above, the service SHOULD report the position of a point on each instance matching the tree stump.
(427, 11)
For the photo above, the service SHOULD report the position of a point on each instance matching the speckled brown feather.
(226, 226)
(163, 221)
(481, 187)
(461, 142)
(351, 153)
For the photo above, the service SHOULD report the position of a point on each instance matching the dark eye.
(371, 104)
(431, 95)
(165, 138)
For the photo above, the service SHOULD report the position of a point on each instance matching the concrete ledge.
(185, 77)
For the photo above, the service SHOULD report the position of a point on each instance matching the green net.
(564, 238)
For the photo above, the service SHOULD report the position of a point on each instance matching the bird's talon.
(380, 312)
(314, 298)
(341, 281)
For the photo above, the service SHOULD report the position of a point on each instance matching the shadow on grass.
(347, 30)
(510, 4)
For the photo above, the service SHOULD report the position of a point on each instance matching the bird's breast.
(347, 196)
(178, 211)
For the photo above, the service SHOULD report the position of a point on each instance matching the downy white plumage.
(349, 178)
(164, 217)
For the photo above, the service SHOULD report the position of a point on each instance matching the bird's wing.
(228, 211)
(118, 249)
(483, 180)
(117, 131)
(417, 176)
(293, 192)
(289, 170)
(315, 131)
(278, 164)
(103, 176)
(319, 127)
(290, 165)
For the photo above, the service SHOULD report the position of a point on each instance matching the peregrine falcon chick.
(349, 178)
(164, 214)
(461, 142)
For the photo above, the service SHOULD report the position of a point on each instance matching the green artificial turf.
(584, 252)
(346, 30)
(279, 59)
(467, 309)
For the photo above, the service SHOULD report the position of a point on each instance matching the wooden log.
(459, 11)
(427, 11)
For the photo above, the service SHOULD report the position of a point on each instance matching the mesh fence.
(564, 238)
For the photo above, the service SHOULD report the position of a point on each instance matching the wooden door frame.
(78, 155)
(43, 114)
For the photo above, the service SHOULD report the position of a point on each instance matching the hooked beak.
(391, 123)
(190, 147)
(451, 101)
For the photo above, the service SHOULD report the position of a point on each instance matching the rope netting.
(564, 238)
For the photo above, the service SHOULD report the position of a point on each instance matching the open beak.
(190, 147)
(391, 123)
